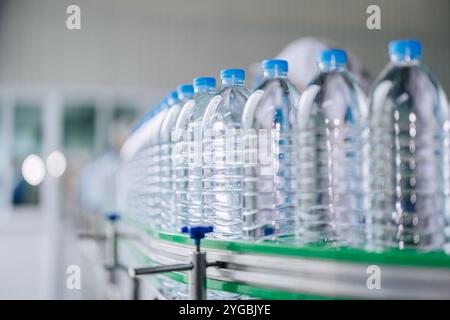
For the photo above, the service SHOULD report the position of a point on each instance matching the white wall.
(158, 44)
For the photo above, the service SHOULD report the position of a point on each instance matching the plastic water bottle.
(188, 179)
(269, 179)
(138, 172)
(223, 157)
(152, 183)
(167, 160)
(166, 199)
(188, 154)
(166, 196)
(332, 156)
(131, 181)
(410, 145)
(170, 288)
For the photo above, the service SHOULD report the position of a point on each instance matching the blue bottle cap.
(172, 98)
(159, 107)
(271, 64)
(333, 58)
(405, 50)
(161, 104)
(232, 74)
(185, 91)
(149, 114)
(208, 82)
(153, 111)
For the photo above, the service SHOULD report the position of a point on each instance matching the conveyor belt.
(280, 271)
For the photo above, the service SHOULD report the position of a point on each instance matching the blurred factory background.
(68, 97)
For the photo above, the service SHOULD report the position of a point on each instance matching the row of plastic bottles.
(325, 166)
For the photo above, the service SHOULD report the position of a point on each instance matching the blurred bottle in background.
(223, 157)
(166, 199)
(136, 172)
(332, 156)
(269, 179)
(410, 147)
(167, 160)
(301, 55)
(171, 288)
(152, 166)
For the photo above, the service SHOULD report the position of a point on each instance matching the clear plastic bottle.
(131, 181)
(269, 179)
(136, 154)
(223, 157)
(332, 156)
(166, 199)
(151, 167)
(171, 288)
(188, 154)
(410, 147)
(184, 94)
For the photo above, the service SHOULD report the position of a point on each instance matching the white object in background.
(33, 169)
(302, 54)
(56, 164)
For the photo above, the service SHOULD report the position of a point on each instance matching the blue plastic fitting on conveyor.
(197, 232)
(112, 216)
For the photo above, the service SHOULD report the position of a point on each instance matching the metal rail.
(309, 276)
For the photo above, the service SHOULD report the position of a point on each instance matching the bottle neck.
(328, 67)
(275, 73)
(171, 102)
(203, 89)
(405, 61)
(232, 82)
(185, 97)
